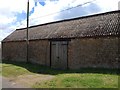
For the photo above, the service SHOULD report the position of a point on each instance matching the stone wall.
(15, 51)
(93, 52)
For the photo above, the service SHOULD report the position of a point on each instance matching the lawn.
(83, 78)
(80, 81)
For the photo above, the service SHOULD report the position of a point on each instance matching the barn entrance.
(59, 54)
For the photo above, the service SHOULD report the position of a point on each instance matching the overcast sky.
(13, 13)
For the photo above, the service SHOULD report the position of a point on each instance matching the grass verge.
(83, 78)
(80, 81)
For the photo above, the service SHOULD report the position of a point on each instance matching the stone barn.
(89, 41)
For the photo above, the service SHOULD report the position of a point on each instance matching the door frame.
(52, 40)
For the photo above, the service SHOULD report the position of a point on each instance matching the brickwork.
(84, 52)
(15, 51)
(39, 52)
(90, 52)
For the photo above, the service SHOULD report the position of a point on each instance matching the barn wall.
(39, 52)
(15, 51)
(89, 52)
(84, 52)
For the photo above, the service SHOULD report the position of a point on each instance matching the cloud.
(107, 5)
(13, 5)
(6, 20)
(47, 13)
(89, 9)
(13, 14)
(4, 33)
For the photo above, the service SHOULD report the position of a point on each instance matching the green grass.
(80, 81)
(0, 69)
(10, 70)
(83, 78)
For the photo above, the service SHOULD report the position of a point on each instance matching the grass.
(0, 69)
(83, 78)
(80, 81)
(10, 70)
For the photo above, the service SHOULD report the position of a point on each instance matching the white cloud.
(8, 15)
(6, 20)
(107, 5)
(9, 10)
(5, 33)
(47, 13)
(13, 5)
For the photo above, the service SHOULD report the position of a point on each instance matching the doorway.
(59, 54)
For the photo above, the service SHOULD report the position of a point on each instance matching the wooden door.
(59, 54)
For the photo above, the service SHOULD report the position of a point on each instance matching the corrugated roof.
(95, 25)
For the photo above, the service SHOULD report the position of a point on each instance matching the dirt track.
(6, 83)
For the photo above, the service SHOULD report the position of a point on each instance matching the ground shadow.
(47, 70)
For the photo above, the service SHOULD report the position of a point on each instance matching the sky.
(13, 14)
